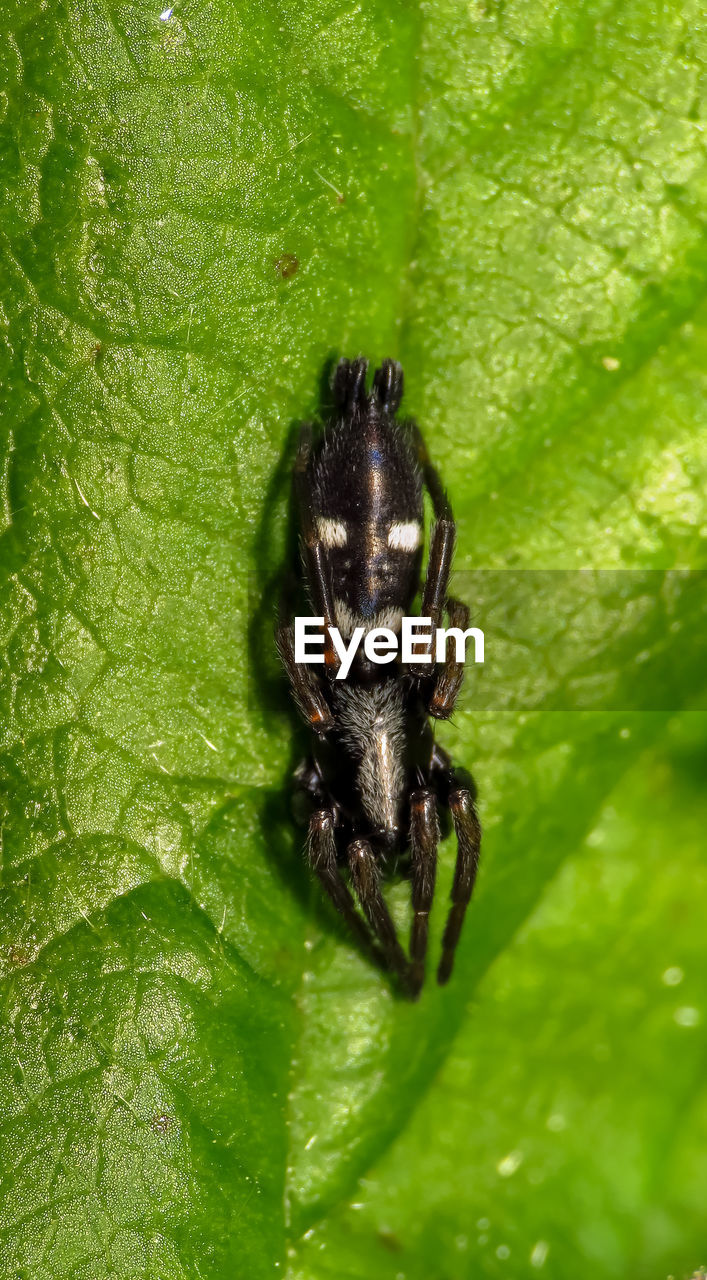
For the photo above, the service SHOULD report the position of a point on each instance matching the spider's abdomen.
(371, 724)
(367, 492)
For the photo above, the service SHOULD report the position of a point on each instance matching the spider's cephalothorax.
(375, 776)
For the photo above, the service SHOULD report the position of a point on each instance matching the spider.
(375, 776)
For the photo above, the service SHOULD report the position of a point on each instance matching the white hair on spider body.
(347, 619)
(372, 723)
(333, 533)
(405, 535)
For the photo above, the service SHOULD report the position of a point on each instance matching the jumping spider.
(375, 775)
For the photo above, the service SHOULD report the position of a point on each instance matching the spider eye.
(332, 533)
(405, 535)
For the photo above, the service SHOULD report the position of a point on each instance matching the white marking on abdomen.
(405, 535)
(332, 532)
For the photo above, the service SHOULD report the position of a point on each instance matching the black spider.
(375, 775)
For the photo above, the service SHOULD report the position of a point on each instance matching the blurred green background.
(203, 205)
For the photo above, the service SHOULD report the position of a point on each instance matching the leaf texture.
(202, 208)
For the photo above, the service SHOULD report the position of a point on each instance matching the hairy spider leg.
(307, 690)
(321, 851)
(449, 680)
(365, 875)
(349, 386)
(424, 838)
(316, 562)
(388, 384)
(308, 780)
(442, 542)
(468, 832)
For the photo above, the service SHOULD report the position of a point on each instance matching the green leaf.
(199, 1074)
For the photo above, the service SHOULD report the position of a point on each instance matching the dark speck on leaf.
(161, 1123)
(287, 265)
(389, 1240)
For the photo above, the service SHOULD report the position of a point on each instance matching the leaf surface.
(202, 207)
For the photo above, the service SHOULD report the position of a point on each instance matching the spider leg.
(310, 793)
(321, 851)
(309, 782)
(449, 680)
(444, 534)
(424, 837)
(365, 874)
(314, 552)
(468, 832)
(441, 765)
(388, 386)
(349, 386)
(306, 689)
